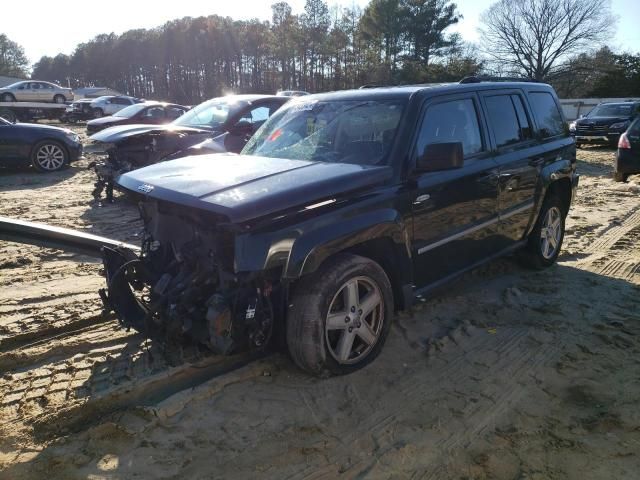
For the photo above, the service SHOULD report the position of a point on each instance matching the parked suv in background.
(108, 105)
(628, 154)
(340, 210)
(605, 123)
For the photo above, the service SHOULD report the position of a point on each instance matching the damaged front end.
(121, 152)
(114, 160)
(182, 286)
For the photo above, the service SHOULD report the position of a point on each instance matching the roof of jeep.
(404, 91)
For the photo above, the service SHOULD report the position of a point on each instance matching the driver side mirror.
(440, 156)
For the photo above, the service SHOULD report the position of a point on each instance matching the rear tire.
(620, 177)
(49, 156)
(8, 115)
(339, 316)
(545, 241)
(59, 99)
(7, 97)
(578, 145)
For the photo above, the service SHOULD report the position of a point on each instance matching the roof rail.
(483, 78)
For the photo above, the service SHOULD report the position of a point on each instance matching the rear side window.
(454, 121)
(508, 119)
(526, 133)
(503, 120)
(634, 129)
(547, 114)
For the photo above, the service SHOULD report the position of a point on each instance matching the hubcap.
(355, 319)
(50, 157)
(551, 232)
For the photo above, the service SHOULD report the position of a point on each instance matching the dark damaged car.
(125, 148)
(340, 211)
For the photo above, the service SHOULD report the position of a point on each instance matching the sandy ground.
(513, 374)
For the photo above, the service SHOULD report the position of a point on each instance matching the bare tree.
(536, 37)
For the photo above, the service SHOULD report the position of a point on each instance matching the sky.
(50, 27)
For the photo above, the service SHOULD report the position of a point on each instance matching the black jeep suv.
(605, 123)
(339, 211)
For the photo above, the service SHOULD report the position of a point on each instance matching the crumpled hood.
(244, 187)
(122, 132)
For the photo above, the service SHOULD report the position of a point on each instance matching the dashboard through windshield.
(355, 131)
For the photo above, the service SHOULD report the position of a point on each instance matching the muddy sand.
(512, 374)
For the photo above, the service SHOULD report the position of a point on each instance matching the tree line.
(388, 42)
(191, 59)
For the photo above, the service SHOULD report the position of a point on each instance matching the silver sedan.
(35, 91)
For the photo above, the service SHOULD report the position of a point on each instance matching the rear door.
(455, 212)
(518, 156)
(46, 92)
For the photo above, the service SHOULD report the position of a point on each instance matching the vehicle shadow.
(568, 304)
(28, 178)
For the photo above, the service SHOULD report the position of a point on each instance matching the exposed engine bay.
(182, 286)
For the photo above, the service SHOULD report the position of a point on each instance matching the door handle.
(421, 199)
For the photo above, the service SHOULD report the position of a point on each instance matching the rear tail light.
(624, 142)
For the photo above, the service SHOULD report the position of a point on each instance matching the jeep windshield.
(611, 110)
(357, 131)
(211, 114)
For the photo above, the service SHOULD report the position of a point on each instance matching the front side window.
(129, 111)
(154, 112)
(547, 114)
(213, 113)
(345, 131)
(450, 122)
(173, 112)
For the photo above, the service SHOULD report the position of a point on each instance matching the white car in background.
(35, 91)
(108, 105)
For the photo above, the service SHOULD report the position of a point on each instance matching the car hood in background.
(47, 128)
(107, 120)
(122, 132)
(244, 187)
(599, 121)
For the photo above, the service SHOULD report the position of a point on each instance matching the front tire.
(59, 99)
(98, 113)
(620, 177)
(49, 156)
(8, 97)
(339, 316)
(545, 241)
